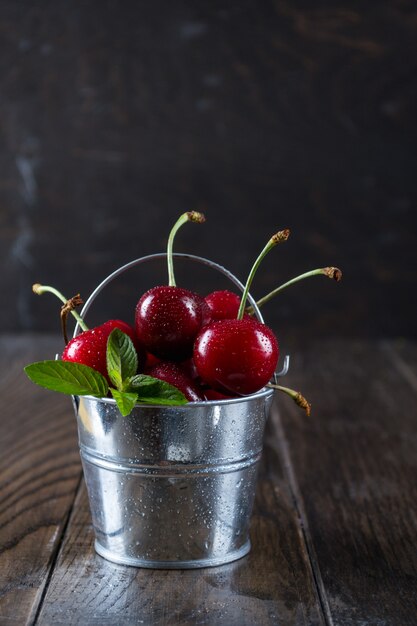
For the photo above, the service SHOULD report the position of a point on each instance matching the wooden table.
(334, 529)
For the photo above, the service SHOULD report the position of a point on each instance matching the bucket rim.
(265, 392)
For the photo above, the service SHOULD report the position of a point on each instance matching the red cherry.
(89, 348)
(212, 394)
(189, 368)
(239, 355)
(236, 356)
(151, 360)
(169, 318)
(123, 326)
(174, 375)
(167, 321)
(223, 305)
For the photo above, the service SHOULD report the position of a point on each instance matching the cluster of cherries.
(210, 348)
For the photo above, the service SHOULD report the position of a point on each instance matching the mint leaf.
(124, 400)
(152, 390)
(67, 377)
(115, 378)
(122, 360)
(143, 383)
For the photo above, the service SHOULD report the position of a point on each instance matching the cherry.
(167, 321)
(240, 355)
(173, 374)
(236, 356)
(188, 366)
(212, 394)
(151, 360)
(168, 318)
(223, 304)
(90, 346)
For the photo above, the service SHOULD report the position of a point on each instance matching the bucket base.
(209, 562)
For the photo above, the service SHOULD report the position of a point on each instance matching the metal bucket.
(172, 487)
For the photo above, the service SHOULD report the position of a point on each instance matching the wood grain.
(334, 527)
(353, 473)
(272, 585)
(39, 473)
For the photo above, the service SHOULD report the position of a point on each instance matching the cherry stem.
(66, 309)
(295, 395)
(279, 237)
(330, 272)
(40, 289)
(190, 216)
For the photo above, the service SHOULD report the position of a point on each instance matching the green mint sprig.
(151, 389)
(67, 377)
(129, 388)
(121, 358)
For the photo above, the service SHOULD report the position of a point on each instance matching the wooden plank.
(403, 355)
(39, 473)
(272, 585)
(352, 468)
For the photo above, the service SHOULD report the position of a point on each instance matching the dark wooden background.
(115, 117)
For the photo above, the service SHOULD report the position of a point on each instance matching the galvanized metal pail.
(172, 487)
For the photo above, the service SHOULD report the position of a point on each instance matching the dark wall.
(118, 116)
